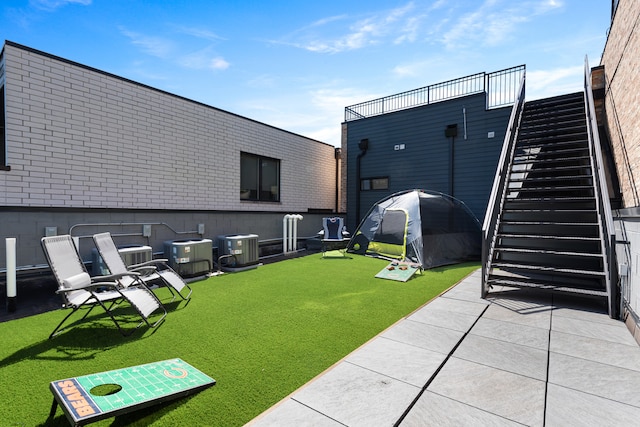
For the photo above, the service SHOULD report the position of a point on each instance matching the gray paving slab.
(520, 312)
(356, 396)
(599, 379)
(505, 331)
(518, 359)
(435, 410)
(457, 306)
(614, 331)
(492, 390)
(471, 294)
(444, 318)
(435, 338)
(292, 413)
(404, 362)
(607, 352)
(567, 407)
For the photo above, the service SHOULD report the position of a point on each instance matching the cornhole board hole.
(94, 397)
(398, 271)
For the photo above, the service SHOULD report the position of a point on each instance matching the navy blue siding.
(425, 161)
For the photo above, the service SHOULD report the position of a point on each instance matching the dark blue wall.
(425, 161)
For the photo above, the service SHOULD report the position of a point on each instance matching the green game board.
(398, 271)
(141, 386)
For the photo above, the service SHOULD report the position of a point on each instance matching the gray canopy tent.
(423, 227)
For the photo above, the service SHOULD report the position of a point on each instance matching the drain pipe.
(290, 232)
(363, 145)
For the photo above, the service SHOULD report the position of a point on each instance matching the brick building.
(81, 147)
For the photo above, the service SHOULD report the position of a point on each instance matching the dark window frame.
(374, 184)
(259, 194)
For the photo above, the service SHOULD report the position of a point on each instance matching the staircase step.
(549, 229)
(559, 180)
(546, 286)
(550, 215)
(553, 202)
(573, 271)
(588, 245)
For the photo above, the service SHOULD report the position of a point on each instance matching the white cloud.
(151, 45)
(399, 23)
(218, 63)
(494, 21)
(552, 82)
(51, 5)
(201, 33)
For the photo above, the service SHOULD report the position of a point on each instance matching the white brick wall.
(80, 138)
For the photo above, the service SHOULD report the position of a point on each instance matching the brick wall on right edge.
(621, 64)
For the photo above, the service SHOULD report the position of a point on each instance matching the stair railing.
(605, 218)
(499, 189)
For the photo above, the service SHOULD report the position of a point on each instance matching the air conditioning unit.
(190, 257)
(242, 247)
(130, 254)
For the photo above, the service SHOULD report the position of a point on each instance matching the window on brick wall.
(259, 178)
(3, 133)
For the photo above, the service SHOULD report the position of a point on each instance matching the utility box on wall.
(130, 255)
(189, 257)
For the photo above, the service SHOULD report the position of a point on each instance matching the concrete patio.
(517, 358)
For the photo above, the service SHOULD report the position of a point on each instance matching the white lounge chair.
(79, 290)
(155, 270)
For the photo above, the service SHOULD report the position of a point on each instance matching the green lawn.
(260, 333)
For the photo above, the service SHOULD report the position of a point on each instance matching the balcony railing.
(501, 88)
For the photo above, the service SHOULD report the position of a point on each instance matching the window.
(374, 184)
(259, 178)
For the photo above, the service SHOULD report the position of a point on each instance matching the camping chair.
(79, 290)
(334, 235)
(147, 272)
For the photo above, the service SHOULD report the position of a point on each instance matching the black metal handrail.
(500, 86)
(605, 217)
(498, 191)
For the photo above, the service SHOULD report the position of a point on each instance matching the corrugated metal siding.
(425, 161)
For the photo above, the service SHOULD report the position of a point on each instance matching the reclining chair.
(155, 270)
(79, 290)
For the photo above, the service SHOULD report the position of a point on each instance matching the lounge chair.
(79, 290)
(152, 271)
(334, 235)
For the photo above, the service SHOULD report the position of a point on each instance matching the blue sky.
(297, 64)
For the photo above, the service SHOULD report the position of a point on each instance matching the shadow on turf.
(83, 339)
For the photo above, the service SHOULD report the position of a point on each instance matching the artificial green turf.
(260, 333)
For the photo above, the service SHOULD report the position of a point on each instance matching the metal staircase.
(550, 228)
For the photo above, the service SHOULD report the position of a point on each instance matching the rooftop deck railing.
(501, 88)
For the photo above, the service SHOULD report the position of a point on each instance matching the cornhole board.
(142, 386)
(398, 271)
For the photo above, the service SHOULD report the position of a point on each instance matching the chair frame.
(103, 291)
(143, 273)
(333, 241)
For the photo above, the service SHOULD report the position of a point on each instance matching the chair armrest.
(148, 263)
(115, 276)
(89, 287)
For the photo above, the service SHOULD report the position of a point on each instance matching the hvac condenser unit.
(240, 251)
(190, 257)
(130, 254)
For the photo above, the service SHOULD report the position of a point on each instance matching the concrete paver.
(517, 358)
